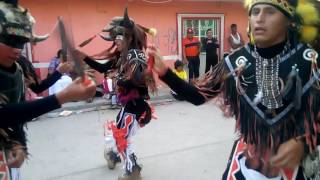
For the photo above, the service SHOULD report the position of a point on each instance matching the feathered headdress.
(303, 13)
(119, 25)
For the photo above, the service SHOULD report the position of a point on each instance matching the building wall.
(87, 18)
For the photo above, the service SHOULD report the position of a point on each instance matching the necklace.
(267, 79)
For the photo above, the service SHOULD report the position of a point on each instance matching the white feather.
(258, 98)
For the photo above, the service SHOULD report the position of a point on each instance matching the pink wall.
(89, 17)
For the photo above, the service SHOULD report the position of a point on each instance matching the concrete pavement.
(185, 143)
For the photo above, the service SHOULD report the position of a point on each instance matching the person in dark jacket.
(210, 44)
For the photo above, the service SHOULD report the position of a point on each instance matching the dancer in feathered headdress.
(126, 56)
(272, 88)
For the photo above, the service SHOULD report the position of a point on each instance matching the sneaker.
(112, 159)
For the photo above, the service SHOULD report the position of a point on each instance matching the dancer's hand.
(64, 67)
(158, 66)
(16, 157)
(289, 154)
(77, 90)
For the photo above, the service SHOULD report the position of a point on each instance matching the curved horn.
(126, 20)
(106, 38)
(117, 19)
(37, 38)
(25, 11)
(107, 28)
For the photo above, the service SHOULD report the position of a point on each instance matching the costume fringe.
(209, 86)
(137, 72)
(256, 131)
(11, 145)
(5, 140)
(3, 99)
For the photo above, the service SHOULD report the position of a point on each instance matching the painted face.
(209, 34)
(119, 42)
(269, 26)
(8, 55)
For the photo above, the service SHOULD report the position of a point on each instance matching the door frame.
(182, 16)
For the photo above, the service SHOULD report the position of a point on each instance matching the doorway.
(200, 23)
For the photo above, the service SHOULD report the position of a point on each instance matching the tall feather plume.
(308, 12)
(308, 33)
(247, 3)
(309, 15)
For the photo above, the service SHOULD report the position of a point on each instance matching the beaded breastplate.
(263, 80)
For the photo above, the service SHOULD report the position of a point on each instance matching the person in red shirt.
(190, 52)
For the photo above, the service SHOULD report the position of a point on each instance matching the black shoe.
(112, 159)
(134, 175)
